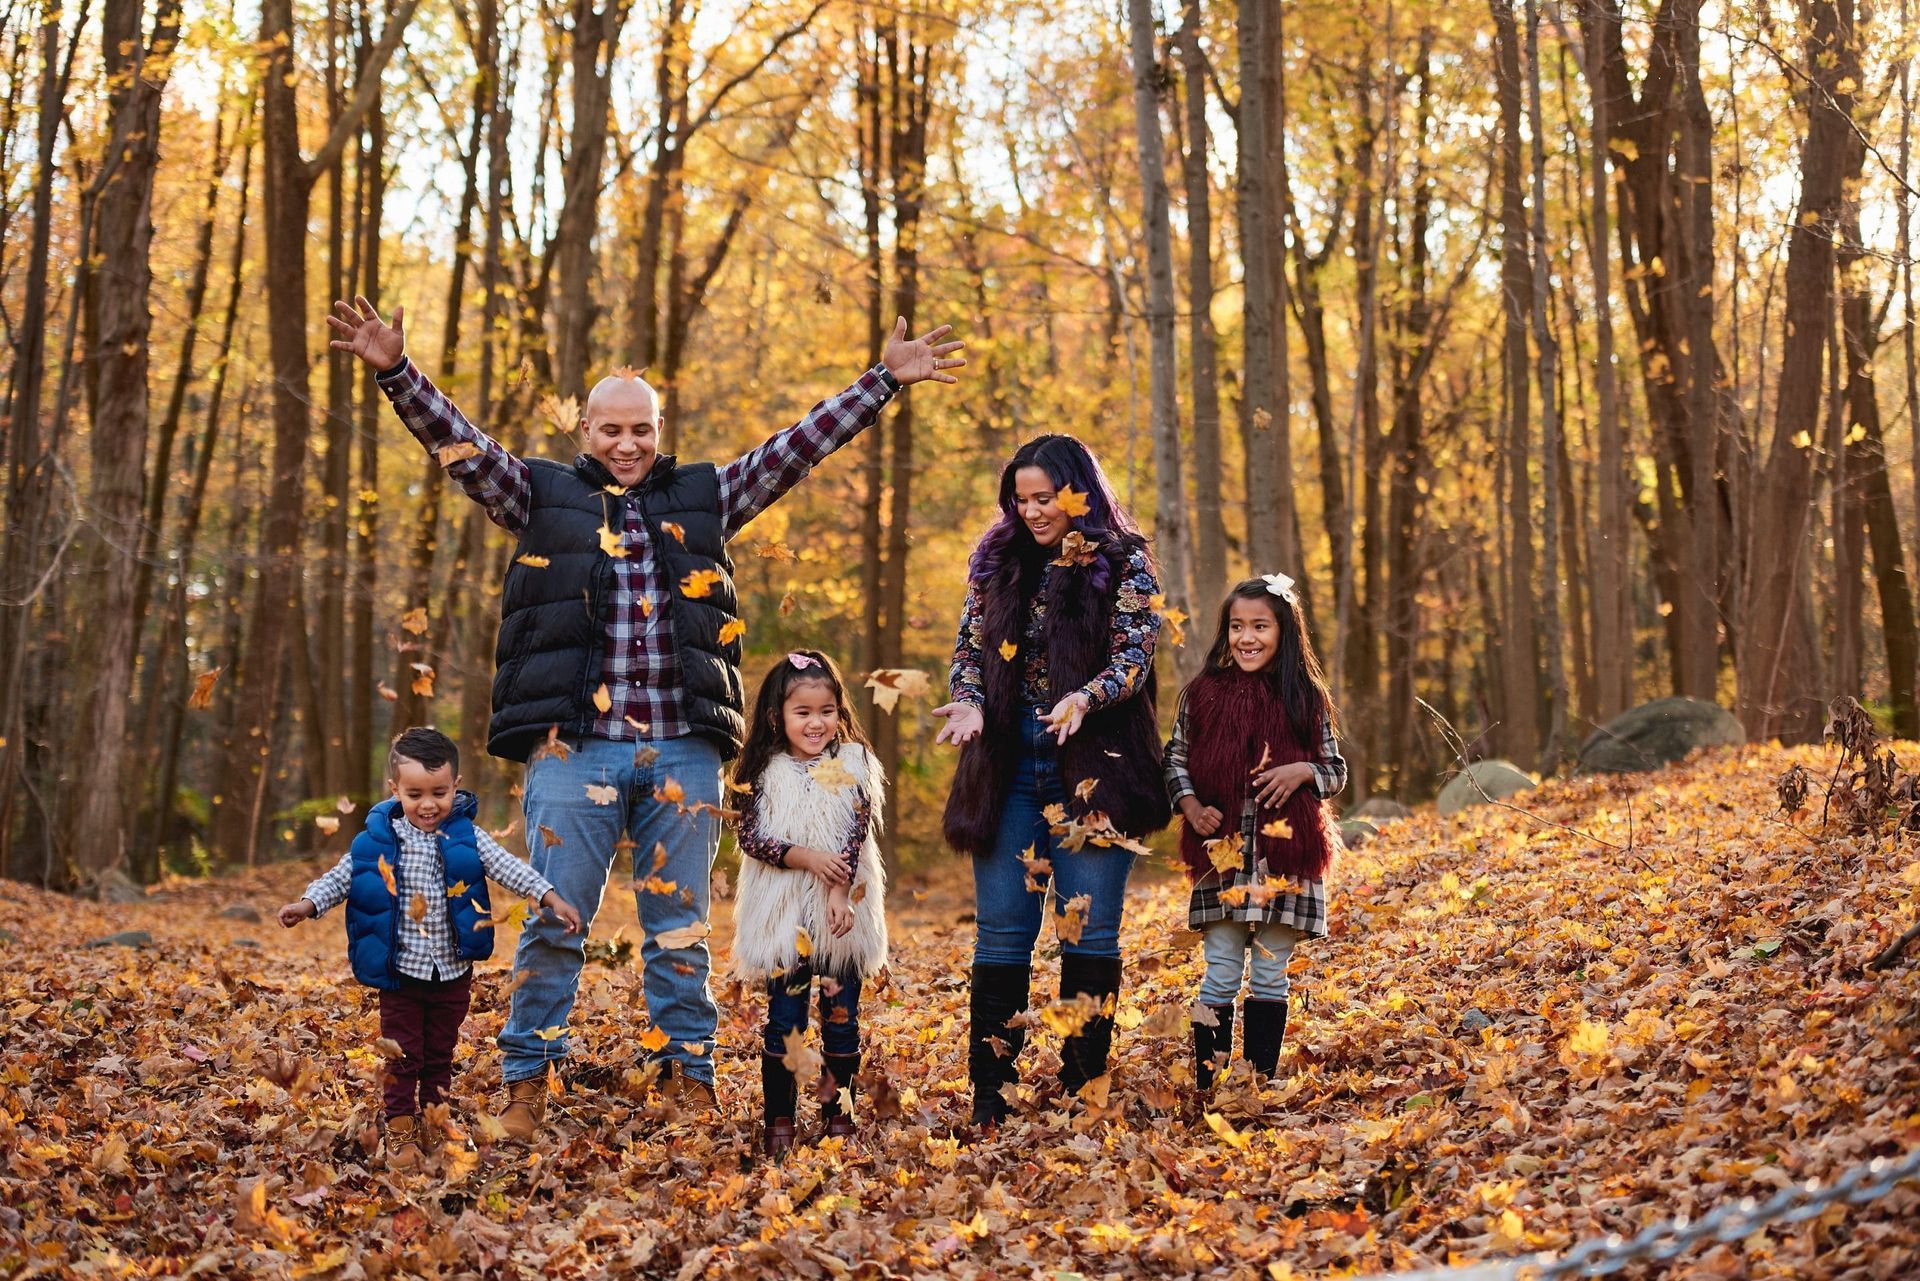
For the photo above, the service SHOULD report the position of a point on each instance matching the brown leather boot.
(403, 1144)
(526, 1108)
(684, 1094)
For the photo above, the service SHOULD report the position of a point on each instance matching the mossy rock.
(1657, 733)
(1375, 808)
(1497, 779)
(1355, 832)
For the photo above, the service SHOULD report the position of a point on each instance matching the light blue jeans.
(579, 863)
(1226, 946)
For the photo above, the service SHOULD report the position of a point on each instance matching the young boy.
(415, 886)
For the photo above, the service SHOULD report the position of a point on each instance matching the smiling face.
(810, 718)
(1037, 504)
(1253, 634)
(425, 795)
(622, 427)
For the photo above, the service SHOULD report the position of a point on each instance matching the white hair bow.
(1280, 585)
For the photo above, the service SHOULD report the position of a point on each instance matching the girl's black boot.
(1266, 1028)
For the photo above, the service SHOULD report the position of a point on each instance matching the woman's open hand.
(964, 723)
(1067, 714)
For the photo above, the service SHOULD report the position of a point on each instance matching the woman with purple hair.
(1053, 705)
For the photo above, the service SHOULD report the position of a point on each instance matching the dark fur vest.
(1119, 745)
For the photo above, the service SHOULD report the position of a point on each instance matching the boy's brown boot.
(403, 1145)
(526, 1108)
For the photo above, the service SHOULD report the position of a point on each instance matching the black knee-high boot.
(780, 1093)
(1266, 1028)
(1083, 1056)
(998, 993)
(1212, 1047)
(841, 1069)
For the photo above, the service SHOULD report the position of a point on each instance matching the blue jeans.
(787, 1011)
(1226, 944)
(579, 857)
(1007, 913)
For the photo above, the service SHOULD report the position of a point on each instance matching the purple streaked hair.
(1069, 464)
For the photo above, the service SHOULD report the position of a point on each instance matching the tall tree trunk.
(1612, 626)
(594, 35)
(1172, 547)
(1551, 449)
(1778, 673)
(1262, 415)
(1365, 592)
(873, 138)
(136, 66)
(361, 770)
(1209, 527)
(1519, 690)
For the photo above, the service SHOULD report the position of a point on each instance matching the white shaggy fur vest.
(774, 904)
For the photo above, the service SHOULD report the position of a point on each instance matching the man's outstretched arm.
(752, 482)
(481, 465)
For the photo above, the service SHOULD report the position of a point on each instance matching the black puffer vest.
(1119, 745)
(553, 617)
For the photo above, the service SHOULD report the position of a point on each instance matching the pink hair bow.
(803, 661)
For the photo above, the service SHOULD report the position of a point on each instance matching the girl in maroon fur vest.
(1253, 757)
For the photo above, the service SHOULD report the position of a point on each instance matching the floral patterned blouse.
(1130, 642)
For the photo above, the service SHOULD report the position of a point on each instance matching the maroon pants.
(424, 1017)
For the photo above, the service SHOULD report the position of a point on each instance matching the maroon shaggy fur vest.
(1234, 721)
(1119, 745)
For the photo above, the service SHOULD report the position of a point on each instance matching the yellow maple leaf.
(1279, 829)
(775, 551)
(1228, 1135)
(670, 792)
(888, 684)
(653, 1040)
(602, 793)
(610, 543)
(1225, 853)
(327, 823)
(1071, 501)
(456, 889)
(602, 699)
(1085, 787)
(534, 562)
(202, 697)
(831, 771)
(1071, 920)
(1008, 649)
(802, 942)
(422, 680)
(386, 874)
(699, 583)
(417, 909)
(414, 620)
(732, 630)
(678, 531)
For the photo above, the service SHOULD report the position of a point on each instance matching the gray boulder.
(125, 938)
(1657, 733)
(116, 887)
(1356, 832)
(1379, 807)
(1497, 779)
(241, 912)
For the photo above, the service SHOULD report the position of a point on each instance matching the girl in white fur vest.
(812, 895)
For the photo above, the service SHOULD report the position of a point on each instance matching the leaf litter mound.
(1518, 1036)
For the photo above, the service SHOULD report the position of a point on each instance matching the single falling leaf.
(456, 889)
(602, 793)
(802, 942)
(670, 792)
(415, 621)
(552, 745)
(1228, 1135)
(602, 699)
(611, 544)
(889, 684)
(388, 692)
(678, 531)
(1279, 830)
(858, 893)
(653, 1040)
(699, 584)
(533, 562)
(732, 630)
(1008, 649)
(801, 1059)
(459, 451)
(775, 551)
(422, 680)
(832, 772)
(417, 909)
(1083, 790)
(1262, 418)
(327, 823)
(1071, 920)
(685, 936)
(787, 602)
(202, 696)
(344, 805)
(548, 837)
(1266, 759)
(1076, 549)
(1071, 501)
(1226, 853)
(386, 874)
(553, 1033)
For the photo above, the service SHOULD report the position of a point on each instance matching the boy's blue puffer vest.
(374, 913)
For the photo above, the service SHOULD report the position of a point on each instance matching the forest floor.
(1517, 1037)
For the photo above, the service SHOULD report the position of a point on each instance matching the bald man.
(618, 664)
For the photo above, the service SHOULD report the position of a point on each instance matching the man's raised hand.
(382, 345)
(918, 360)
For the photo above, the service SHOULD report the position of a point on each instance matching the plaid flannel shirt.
(1303, 904)
(427, 947)
(639, 667)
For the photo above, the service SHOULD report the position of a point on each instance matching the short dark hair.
(427, 748)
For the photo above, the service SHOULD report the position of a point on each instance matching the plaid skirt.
(1252, 894)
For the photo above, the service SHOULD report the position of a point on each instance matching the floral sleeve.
(965, 680)
(754, 842)
(1130, 641)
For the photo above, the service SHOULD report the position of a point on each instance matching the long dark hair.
(766, 732)
(1069, 464)
(1293, 673)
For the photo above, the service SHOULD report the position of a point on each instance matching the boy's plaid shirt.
(639, 666)
(427, 948)
(1305, 907)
